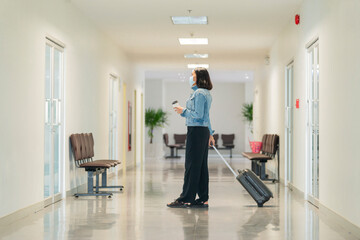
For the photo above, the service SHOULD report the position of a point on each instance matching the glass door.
(142, 130)
(53, 137)
(113, 117)
(313, 123)
(289, 123)
(135, 127)
(124, 127)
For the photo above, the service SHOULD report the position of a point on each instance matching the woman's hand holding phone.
(177, 107)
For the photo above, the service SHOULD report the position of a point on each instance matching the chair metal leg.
(90, 182)
(253, 167)
(172, 153)
(263, 175)
(97, 183)
(104, 178)
(262, 171)
(257, 168)
(104, 182)
(90, 186)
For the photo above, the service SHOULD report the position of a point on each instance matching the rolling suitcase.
(255, 187)
(252, 184)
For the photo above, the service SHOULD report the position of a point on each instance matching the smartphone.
(175, 104)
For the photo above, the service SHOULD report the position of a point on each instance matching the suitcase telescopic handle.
(232, 170)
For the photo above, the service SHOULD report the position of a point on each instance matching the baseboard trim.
(36, 207)
(345, 224)
(21, 213)
(296, 191)
(74, 190)
(330, 215)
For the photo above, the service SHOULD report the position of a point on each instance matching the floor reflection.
(96, 217)
(256, 224)
(140, 212)
(195, 222)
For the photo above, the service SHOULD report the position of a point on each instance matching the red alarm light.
(297, 19)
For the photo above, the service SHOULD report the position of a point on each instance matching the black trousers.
(196, 177)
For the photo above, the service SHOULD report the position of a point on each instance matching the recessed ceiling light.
(189, 20)
(192, 66)
(196, 55)
(193, 41)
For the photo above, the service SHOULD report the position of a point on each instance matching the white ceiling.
(180, 75)
(238, 30)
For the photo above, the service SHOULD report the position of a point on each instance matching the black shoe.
(198, 204)
(177, 204)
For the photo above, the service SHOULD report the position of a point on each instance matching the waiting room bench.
(180, 143)
(171, 146)
(82, 145)
(227, 140)
(270, 148)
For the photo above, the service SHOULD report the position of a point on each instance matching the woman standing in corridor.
(199, 138)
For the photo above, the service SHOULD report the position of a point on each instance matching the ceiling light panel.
(192, 66)
(196, 55)
(189, 20)
(193, 41)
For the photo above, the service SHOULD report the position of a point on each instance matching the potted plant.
(247, 112)
(153, 119)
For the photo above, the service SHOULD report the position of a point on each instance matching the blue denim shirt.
(198, 108)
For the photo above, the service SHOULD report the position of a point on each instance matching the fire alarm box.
(297, 103)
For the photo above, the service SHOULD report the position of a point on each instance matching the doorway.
(54, 119)
(289, 75)
(142, 130)
(113, 116)
(313, 72)
(124, 127)
(135, 127)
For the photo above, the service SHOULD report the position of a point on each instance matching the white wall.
(139, 85)
(337, 25)
(154, 98)
(90, 58)
(225, 112)
(249, 98)
(134, 82)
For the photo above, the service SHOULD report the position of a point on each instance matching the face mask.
(191, 81)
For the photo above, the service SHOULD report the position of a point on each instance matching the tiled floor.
(140, 212)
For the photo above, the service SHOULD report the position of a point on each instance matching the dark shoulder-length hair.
(203, 78)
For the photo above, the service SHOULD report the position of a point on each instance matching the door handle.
(56, 112)
(47, 106)
(287, 117)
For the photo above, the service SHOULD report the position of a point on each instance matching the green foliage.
(247, 112)
(153, 119)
